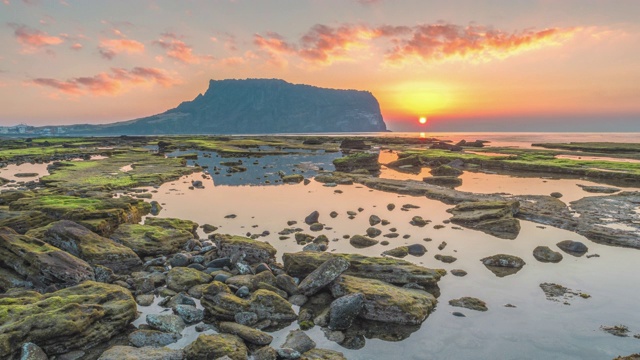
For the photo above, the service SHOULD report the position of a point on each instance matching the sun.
(422, 120)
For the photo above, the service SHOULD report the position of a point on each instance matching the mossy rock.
(446, 170)
(23, 221)
(322, 354)
(385, 302)
(394, 271)
(120, 352)
(216, 346)
(492, 217)
(147, 240)
(9, 196)
(173, 223)
(74, 318)
(360, 241)
(358, 160)
(294, 178)
(87, 245)
(40, 263)
(445, 181)
(399, 252)
(469, 303)
(182, 278)
(256, 251)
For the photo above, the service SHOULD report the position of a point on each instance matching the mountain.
(257, 106)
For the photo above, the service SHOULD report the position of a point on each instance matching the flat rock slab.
(469, 303)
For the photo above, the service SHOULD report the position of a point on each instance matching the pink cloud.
(118, 80)
(76, 46)
(109, 48)
(6, 2)
(179, 50)
(33, 39)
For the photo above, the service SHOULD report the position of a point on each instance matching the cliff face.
(261, 106)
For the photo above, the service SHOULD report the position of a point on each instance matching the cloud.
(76, 46)
(179, 50)
(324, 45)
(6, 2)
(109, 48)
(117, 81)
(34, 39)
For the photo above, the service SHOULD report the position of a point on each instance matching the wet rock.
(384, 302)
(99, 311)
(177, 299)
(145, 300)
(155, 208)
(298, 300)
(181, 279)
(556, 195)
(288, 353)
(354, 144)
(445, 258)
(152, 338)
(31, 351)
(189, 313)
(416, 249)
(208, 228)
(398, 252)
(599, 189)
(312, 218)
(265, 353)
(458, 272)
(322, 354)
(216, 346)
(418, 221)
(246, 333)
(390, 206)
(469, 303)
(299, 341)
(166, 322)
(458, 314)
(39, 263)
(445, 181)
(616, 330)
(373, 232)
(356, 161)
(390, 270)
(180, 260)
(575, 248)
(287, 283)
(359, 241)
(344, 310)
(333, 214)
(503, 265)
(545, 254)
(323, 275)
(148, 240)
(145, 353)
(83, 243)
(175, 224)
(445, 170)
(374, 220)
(243, 292)
(246, 318)
(442, 245)
(492, 217)
(256, 251)
(316, 227)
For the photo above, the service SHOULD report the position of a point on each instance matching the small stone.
(312, 218)
(458, 272)
(243, 292)
(333, 214)
(189, 313)
(458, 314)
(316, 227)
(469, 303)
(545, 254)
(166, 322)
(390, 207)
(445, 258)
(373, 232)
(287, 353)
(359, 241)
(374, 220)
(442, 245)
(556, 195)
(153, 338)
(145, 300)
(417, 249)
(575, 248)
(344, 310)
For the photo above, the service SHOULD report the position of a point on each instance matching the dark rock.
(398, 252)
(322, 354)
(287, 283)
(575, 248)
(31, 351)
(446, 170)
(288, 354)
(316, 227)
(356, 161)
(299, 341)
(166, 322)
(323, 275)
(374, 220)
(599, 189)
(246, 318)
(359, 241)
(416, 249)
(373, 232)
(556, 195)
(390, 207)
(333, 214)
(189, 313)
(469, 303)
(344, 310)
(256, 251)
(153, 338)
(312, 218)
(458, 272)
(216, 346)
(246, 333)
(219, 263)
(354, 144)
(119, 352)
(492, 217)
(503, 265)
(181, 279)
(545, 254)
(180, 260)
(445, 258)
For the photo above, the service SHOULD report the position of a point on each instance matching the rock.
(180, 260)
(442, 245)
(64, 320)
(599, 189)
(354, 144)
(31, 351)
(390, 270)
(469, 303)
(177, 299)
(333, 214)
(359, 241)
(174, 223)
(384, 302)
(144, 353)
(256, 251)
(373, 232)
(189, 313)
(246, 333)
(316, 227)
(145, 300)
(390, 206)
(575, 248)
(503, 265)
(265, 353)
(545, 254)
(243, 292)
(208, 228)
(616, 330)
(298, 299)
(181, 279)
(458, 272)
(398, 252)
(344, 310)
(148, 240)
(166, 322)
(246, 318)
(374, 220)
(356, 161)
(445, 170)
(322, 354)
(312, 218)
(445, 181)
(492, 217)
(287, 283)
(445, 258)
(556, 195)
(323, 275)
(458, 314)
(292, 179)
(220, 303)
(81, 242)
(207, 347)
(287, 353)
(38, 263)
(418, 221)
(152, 338)
(299, 341)
(416, 249)
(155, 208)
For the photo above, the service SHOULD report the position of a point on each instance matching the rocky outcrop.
(357, 161)
(74, 318)
(255, 251)
(39, 264)
(257, 106)
(492, 217)
(147, 240)
(79, 241)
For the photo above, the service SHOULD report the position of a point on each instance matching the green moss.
(173, 223)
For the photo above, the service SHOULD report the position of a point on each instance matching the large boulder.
(79, 241)
(385, 302)
(182, 279)
(256, 251)
(216, 346)
(492, 217)
(393, 271)
(220, 303)
(73, 318)
(38, 263)
(148, 240)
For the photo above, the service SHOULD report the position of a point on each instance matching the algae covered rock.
(445, 181)
(246, 333)
(385, 302)
(256, 251)
(492, 217)
(469, 303)
(172, 223)
(39, 263)
(445, 170)
(360, 241)
(182, 279)
(356, 161)
(87, 245)
(322, 354)
(147, 240)
(120, 352)
(73, 318)
(23, 221)
(545, 254)
(216, 346)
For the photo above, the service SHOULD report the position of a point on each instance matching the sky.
(465, 65)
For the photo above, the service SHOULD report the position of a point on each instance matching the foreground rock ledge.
(74, 318)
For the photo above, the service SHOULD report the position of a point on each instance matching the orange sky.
(464, 64)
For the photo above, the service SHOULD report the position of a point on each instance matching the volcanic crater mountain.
(257, 106)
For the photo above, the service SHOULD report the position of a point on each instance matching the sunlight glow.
(423, 120)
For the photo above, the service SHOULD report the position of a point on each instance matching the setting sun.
(423, 120)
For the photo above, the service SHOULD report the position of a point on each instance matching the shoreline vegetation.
(79, 253)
